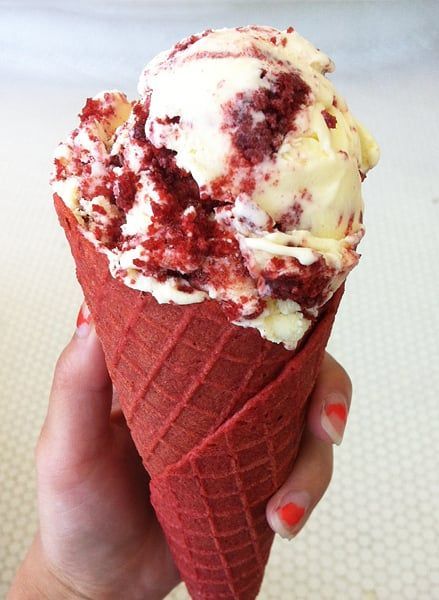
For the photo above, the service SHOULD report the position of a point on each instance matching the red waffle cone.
(215, 411)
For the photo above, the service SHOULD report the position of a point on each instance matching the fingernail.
(290, 514)
(83, 322)
(334, 416)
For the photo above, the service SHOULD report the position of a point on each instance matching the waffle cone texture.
(216, 413)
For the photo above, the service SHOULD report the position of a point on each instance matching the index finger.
(330, 402)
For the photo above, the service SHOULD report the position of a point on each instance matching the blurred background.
(375, 535)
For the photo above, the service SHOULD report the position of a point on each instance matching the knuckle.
(63, 369)
(324, 466)
(347, 380)
(41, 450)
(339, 374)
(47, 459)
(327, 476)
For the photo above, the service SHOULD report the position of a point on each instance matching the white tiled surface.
(376, 533)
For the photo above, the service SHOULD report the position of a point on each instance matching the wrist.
(34, 579)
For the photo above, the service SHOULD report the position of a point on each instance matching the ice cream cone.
(216, 413)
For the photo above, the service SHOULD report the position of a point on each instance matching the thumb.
(78, 418)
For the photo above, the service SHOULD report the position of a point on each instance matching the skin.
(98, 537)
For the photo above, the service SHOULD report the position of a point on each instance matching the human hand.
(98, 536)
(291, 506)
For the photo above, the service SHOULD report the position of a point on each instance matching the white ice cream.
(303, 205)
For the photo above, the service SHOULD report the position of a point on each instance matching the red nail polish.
(288, 518)
(291, 514)
(334, 417)
(338, 410)
(83, 321)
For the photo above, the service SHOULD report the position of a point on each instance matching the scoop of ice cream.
(236, 176)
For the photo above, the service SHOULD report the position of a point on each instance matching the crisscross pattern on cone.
(215, 411)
